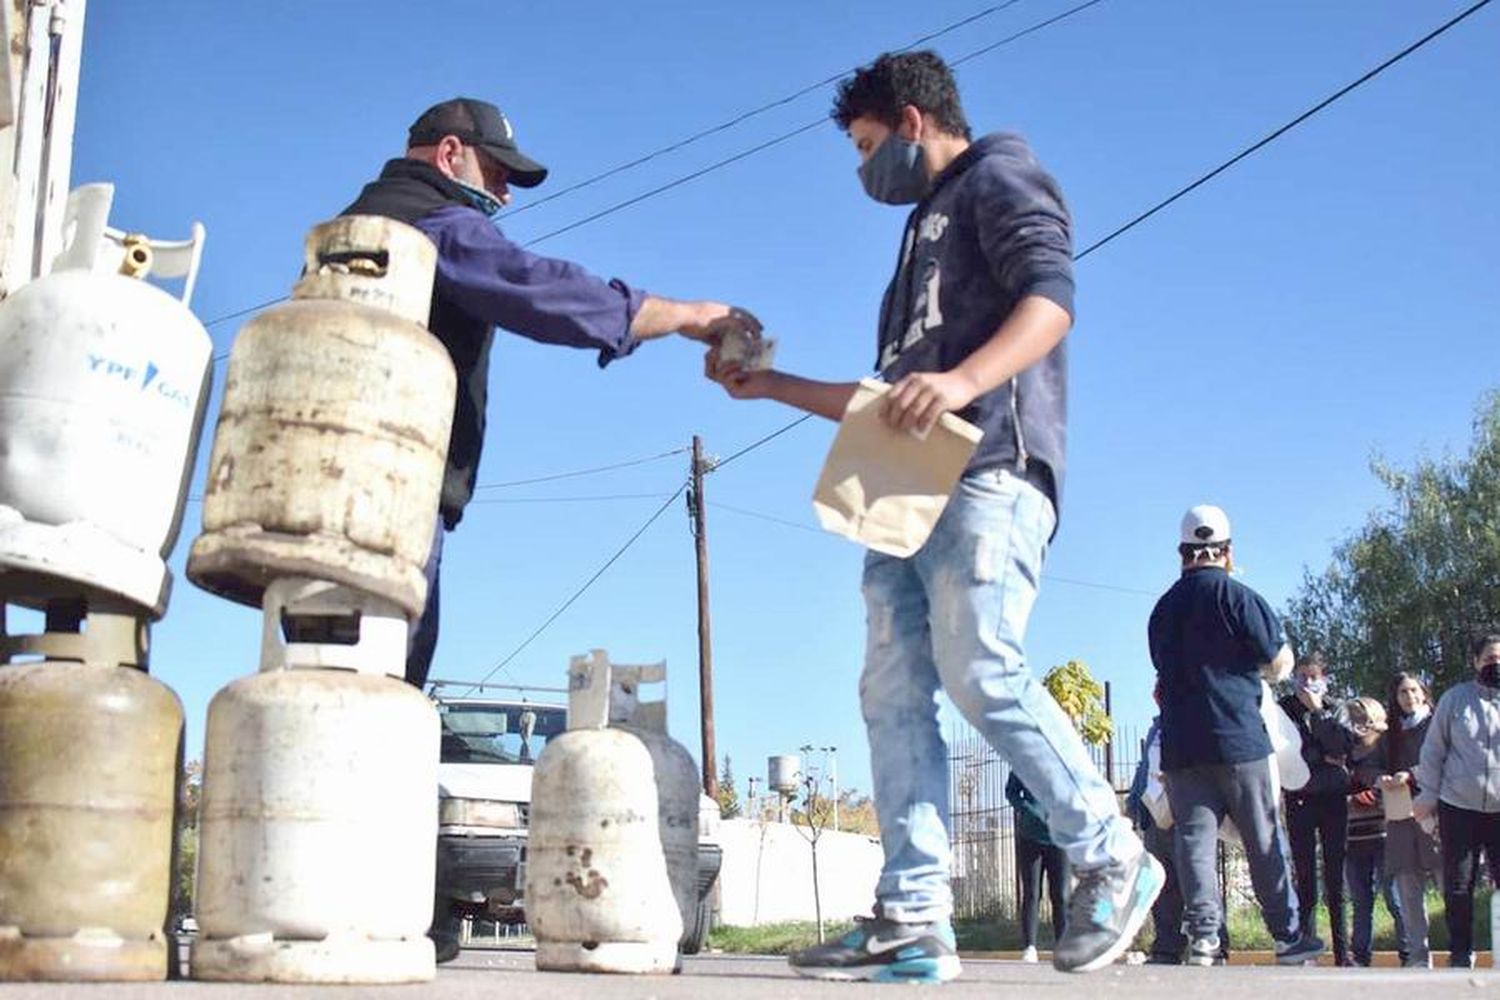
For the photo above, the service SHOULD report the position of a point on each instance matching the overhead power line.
(735, 158)
(1050, 577)
(581, 590)
(1247, 151)
(585, 499)
(783, 137)
(753, 112)
(582, 472)
(1278, 133)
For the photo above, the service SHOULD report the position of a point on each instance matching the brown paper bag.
(885, 488)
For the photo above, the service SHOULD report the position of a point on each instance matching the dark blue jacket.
(485, 280)
(1031, 818)
(992, 231)
(1209, 635)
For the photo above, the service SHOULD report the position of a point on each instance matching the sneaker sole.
(915, 970)
(1132, 925)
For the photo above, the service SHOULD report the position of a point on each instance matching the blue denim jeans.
(1364, 872)
(421, 640)
(952, 617)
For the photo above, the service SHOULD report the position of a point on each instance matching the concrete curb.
(1379, 960)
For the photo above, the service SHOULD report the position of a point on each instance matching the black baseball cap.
(478, 123)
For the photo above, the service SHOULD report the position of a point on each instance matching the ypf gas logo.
(146, 379)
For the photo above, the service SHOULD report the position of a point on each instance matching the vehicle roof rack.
(433, 684)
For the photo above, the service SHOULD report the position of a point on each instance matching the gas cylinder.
(318, 822)
(102, 393)
(331, 442)
(89, 755)
(677, 797)
(598, 895)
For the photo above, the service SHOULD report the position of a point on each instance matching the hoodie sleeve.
(1024, 229)
(1434, 751)
(542, 298)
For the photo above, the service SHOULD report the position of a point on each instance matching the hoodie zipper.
(1015, 419)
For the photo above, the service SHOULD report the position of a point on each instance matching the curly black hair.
(896, 79)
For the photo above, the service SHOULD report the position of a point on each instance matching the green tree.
(190, 795)
(1411, 588)
(729, 796)
(1081, 699)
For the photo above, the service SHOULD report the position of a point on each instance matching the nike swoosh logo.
(876, 946)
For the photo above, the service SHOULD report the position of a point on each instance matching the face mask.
(1489, 675)
(896, 173)
(482, 200)
(1313, 685)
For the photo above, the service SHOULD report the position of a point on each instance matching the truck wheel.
(696, 936)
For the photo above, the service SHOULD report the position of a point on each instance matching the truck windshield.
(498, 734)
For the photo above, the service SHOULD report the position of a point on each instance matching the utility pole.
(705, 646)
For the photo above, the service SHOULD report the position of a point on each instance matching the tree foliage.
(729, 796)
(1081, 699)
(1412, 587)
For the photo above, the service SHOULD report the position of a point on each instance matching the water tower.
(784, 776)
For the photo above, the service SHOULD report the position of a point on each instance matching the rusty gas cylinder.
(331, 442)
(89, 755)
(598, 894)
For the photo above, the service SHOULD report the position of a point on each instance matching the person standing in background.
(1319, 810)
(1411, 852)
(1036, 857)
(1213, 640)
(1459, 778)
(1364, 856)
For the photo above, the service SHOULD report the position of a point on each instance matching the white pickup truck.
(491, 737)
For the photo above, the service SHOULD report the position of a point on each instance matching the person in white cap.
(1212, 641)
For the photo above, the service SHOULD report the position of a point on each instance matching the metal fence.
(986, 882)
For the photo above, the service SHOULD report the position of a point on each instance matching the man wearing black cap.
(460, 161)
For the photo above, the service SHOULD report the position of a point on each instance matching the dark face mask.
(896, 173)
(1489, 675)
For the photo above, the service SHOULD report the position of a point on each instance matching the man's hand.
(1423, 810)
(710, 321)
(916, 402)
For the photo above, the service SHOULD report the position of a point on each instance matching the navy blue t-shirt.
(1209, 636)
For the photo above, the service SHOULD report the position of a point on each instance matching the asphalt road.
(489, 974)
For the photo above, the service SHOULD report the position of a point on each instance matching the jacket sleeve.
(1024, 230)
(545, 299)
(1434, 752)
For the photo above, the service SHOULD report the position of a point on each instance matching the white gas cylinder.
(332, 438)
(677, 789)
(598, 895)
(102, 393)
(318, 824)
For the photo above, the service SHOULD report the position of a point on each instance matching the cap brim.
(524, 171)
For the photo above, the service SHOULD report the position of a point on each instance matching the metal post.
(705, 646)
(833, 777)
(1109, 745)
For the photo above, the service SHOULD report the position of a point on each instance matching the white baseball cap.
(1205, 524)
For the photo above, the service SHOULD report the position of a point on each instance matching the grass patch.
(1247, 931)
(773, 939)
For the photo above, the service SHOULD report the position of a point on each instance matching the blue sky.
(1331, 298)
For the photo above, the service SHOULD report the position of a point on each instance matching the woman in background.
(1036, 856)
(1411, 853)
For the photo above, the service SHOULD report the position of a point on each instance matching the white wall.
(767, 873)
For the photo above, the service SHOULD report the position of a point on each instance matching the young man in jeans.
(1212, 641)
(972, 323)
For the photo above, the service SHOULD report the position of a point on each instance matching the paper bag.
(1397, 802)
(883, 487)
